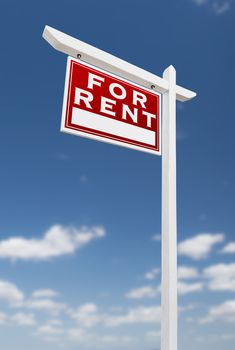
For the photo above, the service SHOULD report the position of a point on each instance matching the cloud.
(149, 291)
(229, 248)
(143, 292)
(62, 156)
(217, 6)
(151, 314)
(10, 293)
(185, 272)
(200, 2)
(82, 336)
(186, 288)
(221, 277)
(57, 241)
(47, 305)
(87, 315)
(50, 330)
(23, 319)
(77, 334)
(44, 293)
(221, 7)
(153, 335)
(156, 238)
(18, 319)
(152, 274)
(83, 179)
(3, 318)
(199, 246)
(223, 312)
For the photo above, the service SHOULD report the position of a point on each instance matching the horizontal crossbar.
(90, 54)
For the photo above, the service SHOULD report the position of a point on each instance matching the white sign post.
(171, 92)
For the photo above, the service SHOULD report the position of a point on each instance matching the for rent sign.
(101, 106)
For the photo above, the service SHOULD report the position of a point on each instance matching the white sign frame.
(167, 86)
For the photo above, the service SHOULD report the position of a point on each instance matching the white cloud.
(199, 246)
(200, 2)
(18, 319)
(10, 293)
(185, 272)
(151, 314)
(44, 293)
(55, 322)
(229, 248)
(186, 288)
(153, 335)
(217, 6)
(143, 292)
(152, 274)
(87, 315)
(221, 7)
(23, 319)
(221, 277)
(81, 336)
(50, 330)
(47, 305)
(223, 312)
(157, 238)
(57, 241)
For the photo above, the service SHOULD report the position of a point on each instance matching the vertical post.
(169, 225)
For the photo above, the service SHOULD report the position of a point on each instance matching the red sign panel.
(104, 107)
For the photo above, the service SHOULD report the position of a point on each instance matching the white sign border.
(102, 138)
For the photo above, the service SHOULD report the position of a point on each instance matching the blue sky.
(80, 220)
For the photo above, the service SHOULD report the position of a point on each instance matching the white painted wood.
(90, 54)
(169, 213)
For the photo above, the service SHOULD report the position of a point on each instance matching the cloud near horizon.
(56, 241)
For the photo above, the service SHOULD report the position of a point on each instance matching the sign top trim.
(101, 59)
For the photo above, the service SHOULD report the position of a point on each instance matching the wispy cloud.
(87, 315)
(44, 293)
(47, 305)
(156, 238)
(50, 330)
(143, 292)
(217, 6)
(186, 288)
(18, 319)
(83, 179)
(81, 336)
(200, 246)
(57, 241)
(62, 157)
(141, 314)
(23, 319)
(152, 274)
(185, 273)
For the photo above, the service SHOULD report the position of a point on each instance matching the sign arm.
(90, 54)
